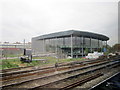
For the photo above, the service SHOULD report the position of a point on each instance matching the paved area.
(8, 57)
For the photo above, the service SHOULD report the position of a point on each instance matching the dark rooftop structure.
(74, 33)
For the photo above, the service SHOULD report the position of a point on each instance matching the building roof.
(74, 33)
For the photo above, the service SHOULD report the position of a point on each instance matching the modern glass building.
(69, 43)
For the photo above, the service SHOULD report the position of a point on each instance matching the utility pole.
(24, 47)
(24, 43)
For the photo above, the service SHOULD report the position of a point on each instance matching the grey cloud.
(32, 18)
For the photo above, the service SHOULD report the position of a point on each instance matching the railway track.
(49, 76)
(27, 68)
(50, 71)
(71, 79)
(61, 64)
(80, 82)
(56, 77)
(14, 69)
(19, 74)
(61, 72)
(33, 68)
(104, 82)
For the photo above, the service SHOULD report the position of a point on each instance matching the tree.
(108, 48)
(116, 47)
(86, 51)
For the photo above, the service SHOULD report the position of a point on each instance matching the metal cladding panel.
(74, 33)
(92, 35)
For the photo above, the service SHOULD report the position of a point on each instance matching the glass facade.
(70, 43)
(94, 43)
(64, 45)
(80, 45)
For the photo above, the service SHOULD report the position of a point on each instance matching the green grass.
(52, 60)
(14, 63)
(10, 63)
(0, 67)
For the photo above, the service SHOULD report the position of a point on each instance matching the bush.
(7, 64)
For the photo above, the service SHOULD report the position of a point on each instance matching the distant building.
(7, 48)
(70, 43)
(16, 45)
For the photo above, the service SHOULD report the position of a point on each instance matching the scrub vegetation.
(14, 63)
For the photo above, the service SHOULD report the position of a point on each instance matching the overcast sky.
(24, 19)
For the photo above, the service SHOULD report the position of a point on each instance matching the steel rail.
(81, 82)
(60, 65)
(74, 76)
(56, 74)
(48, 77)
(104, 81)
(25, 73)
